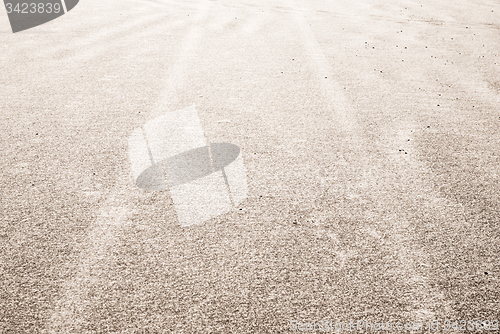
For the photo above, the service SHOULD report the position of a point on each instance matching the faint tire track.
(69, 314)
(426, 299)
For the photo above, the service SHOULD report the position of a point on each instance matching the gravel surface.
(370, 133)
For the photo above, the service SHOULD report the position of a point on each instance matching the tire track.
(331, 89)
(237, 18)
(122, 43)
(69, 313)
(96, 44)
(425, 300)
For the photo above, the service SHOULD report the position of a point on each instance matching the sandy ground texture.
(370, 132)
